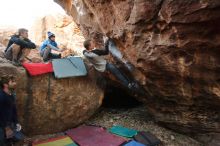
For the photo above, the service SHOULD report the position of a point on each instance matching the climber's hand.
(105, 39)
(8, 132)
(18, 127)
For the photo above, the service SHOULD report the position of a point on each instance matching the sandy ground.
(131, 118)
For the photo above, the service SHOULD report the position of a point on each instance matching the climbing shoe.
(132, 85)
(136, 89)
(16, 63)
(59, 56)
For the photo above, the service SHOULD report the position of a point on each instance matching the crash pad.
(147, 138)
(94, 136)
(59, 141)
(122, 131)
(69, 67)
(35, 69)
(134, 143)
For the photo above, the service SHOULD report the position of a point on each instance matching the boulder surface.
(174, 46)
(48, 105)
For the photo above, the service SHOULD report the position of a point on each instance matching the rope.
(48, 89)
(29, 101)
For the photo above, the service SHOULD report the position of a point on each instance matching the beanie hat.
(50, 34)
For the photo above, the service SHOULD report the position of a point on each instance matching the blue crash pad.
(122, 131)
(134, 143)
(69, 67)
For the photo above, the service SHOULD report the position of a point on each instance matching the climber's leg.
(115, 71)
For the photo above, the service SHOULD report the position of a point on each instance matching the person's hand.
(105, 39)
(62, 50)
(8, 132)
(18, 127)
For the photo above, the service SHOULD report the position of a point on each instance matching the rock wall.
(48, 105)
(67, 32)
(174, 46)
(5, 34)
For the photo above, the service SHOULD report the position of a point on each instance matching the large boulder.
(174, 46)
(47, 105)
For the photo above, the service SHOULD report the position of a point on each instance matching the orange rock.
(174, 45)
(47, 105)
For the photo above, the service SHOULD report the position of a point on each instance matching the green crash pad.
(69, 67)
(122, 131)
(59, 141)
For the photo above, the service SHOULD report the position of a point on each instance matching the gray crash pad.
(69, 67)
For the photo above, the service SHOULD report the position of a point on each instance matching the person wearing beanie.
(49, 45)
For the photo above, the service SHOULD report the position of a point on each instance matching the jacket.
(23, 43)
(96, 57)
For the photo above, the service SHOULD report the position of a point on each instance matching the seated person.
(49, 45)
(96, 57)
(19, 47)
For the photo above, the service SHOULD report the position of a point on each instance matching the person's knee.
(26, 51)
(48, 49)
(15, 48)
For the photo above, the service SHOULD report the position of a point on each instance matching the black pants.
(115, 71)
(47, 55)
(2, 137)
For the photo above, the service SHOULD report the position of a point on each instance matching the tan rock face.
(68, 35)
(5, 34)
(174, 46)
(67, 32)
(48, 105)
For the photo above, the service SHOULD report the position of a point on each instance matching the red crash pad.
(94, 136)
(38, 68)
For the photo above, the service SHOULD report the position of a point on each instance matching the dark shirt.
(8, 111)
(26, 43)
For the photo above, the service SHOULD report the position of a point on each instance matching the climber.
(19, 47)
(49, 45)
(9, 126)
(96, 57)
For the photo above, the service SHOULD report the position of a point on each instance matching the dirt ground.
(131, 118)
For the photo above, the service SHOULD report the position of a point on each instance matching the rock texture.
(67, 32)
(5, 34)
(49, 105)
(174, 46)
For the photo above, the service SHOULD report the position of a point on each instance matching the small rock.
(111, 120)
(172, 137)
(116, 118)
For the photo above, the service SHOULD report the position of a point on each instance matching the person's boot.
(16, 63)
(59, 56)
(136, 88)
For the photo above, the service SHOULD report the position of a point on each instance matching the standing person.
(49, 45)
(8, 112)
(96, 57)
(19, 47)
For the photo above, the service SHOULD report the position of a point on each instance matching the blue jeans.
(115, 71)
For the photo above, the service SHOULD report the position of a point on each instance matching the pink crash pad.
(94, 136)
